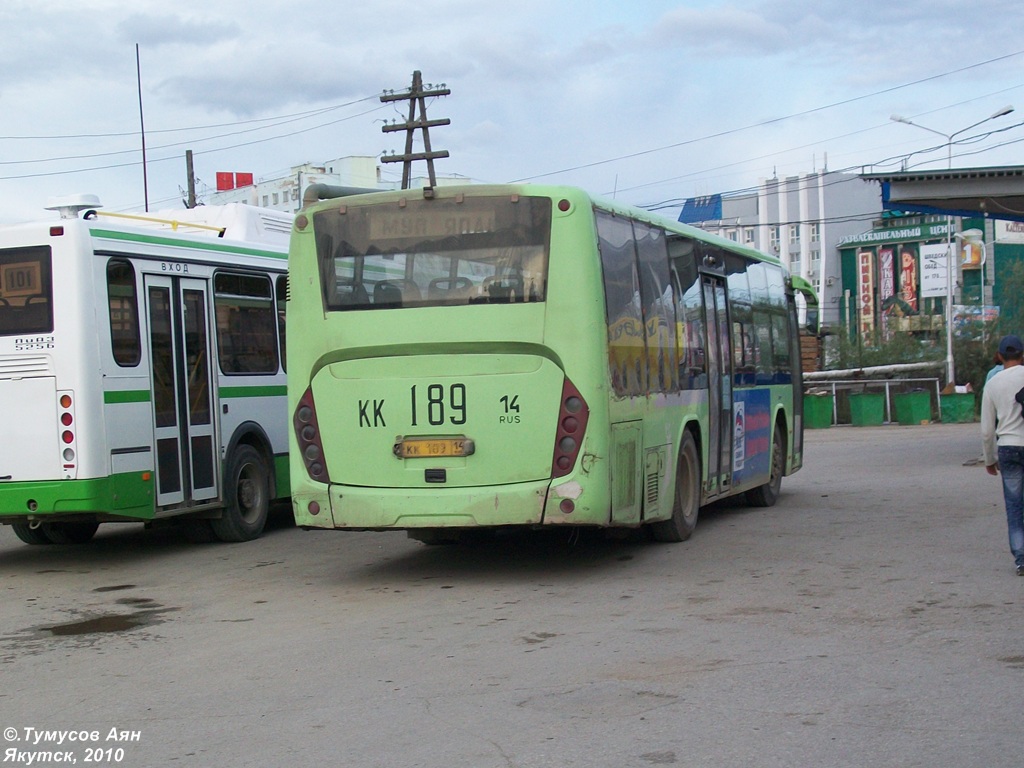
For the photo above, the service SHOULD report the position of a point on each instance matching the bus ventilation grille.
(652, 489)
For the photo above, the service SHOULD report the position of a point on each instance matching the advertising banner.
(1010, 232)
(908, 277)
(886, 275)
(933, 270)
(866, 291)
(970, 255)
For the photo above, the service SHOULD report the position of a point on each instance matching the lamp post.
(949, 136)
(950, 371)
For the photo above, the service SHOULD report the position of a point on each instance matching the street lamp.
(950, 372)
(949, 136)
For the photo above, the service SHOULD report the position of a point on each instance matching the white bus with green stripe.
(142, 370)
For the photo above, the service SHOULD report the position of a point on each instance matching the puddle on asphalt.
(115, 588)
(110, 623)
(149, 612)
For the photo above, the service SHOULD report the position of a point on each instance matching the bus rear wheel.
(69, 533)
(30, 535)
(686, 504)
(247, 487)
(767, 494)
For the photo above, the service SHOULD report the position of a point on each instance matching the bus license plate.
(433, 447)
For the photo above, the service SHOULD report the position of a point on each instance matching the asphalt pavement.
(871, 618)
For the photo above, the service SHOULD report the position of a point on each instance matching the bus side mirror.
(811, 320)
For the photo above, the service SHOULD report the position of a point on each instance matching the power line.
(191, 142)
(774, 120)
(802, 185)
(286, 118)
(176, 158)
(802, 146)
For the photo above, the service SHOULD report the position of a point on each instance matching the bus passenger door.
(719, 387)
(186, 467)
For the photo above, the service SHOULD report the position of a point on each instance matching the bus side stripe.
(270, 390)
(126, 396)
(201, 246)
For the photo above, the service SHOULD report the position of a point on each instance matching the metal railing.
(863, 385)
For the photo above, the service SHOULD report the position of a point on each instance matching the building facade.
(284, 193)
(800, 219)
(898, 275)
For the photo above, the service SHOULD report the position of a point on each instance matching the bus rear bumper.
(358, 508)
(127, 496)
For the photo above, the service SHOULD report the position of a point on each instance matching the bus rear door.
(179, 330)
(720, 427)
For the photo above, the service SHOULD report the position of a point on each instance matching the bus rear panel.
(438, 399)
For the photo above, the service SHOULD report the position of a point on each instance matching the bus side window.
(282, 298)
(123, 308)
(659, 309)
(622, 305)
(690, 323)
(782, 349)
(246, 332)
(744, 336)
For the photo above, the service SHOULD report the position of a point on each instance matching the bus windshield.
(419, 253)
(26, 291)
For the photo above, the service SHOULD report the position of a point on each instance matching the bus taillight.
(307, 433)
(572, 426)
(66, 416)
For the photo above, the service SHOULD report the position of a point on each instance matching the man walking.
(1002, 436)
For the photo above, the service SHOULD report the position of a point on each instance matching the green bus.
(490, 356)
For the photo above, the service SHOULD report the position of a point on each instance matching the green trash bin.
(817, 411)
(867, 409)
(957, 407)
(912, 408)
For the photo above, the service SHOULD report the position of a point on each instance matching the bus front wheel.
(686, 504)
(247, 491)
(69, 533)
(30, 535)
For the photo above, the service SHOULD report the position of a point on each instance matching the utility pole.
(142, 127)
(416, 96)
(190, 202)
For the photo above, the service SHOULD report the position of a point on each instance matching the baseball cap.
(1011, 345)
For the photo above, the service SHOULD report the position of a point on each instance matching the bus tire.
(767, 494)
(29, 535)
(70, 533)
(686, 504)
(247, 493)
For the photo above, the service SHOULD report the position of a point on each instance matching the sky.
(649, 102)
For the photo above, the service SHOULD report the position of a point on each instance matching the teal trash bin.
(956, 407)
(817, 411)
(911, 408)
(867, 409)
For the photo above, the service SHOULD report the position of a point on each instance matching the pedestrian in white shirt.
(1002, 437)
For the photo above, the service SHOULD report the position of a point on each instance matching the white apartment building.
(284, 193)
(800, 219)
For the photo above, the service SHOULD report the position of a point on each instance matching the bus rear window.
(444, 252)
(26, 291)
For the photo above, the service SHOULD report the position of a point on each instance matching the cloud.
(725, 30)
(154, 30)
